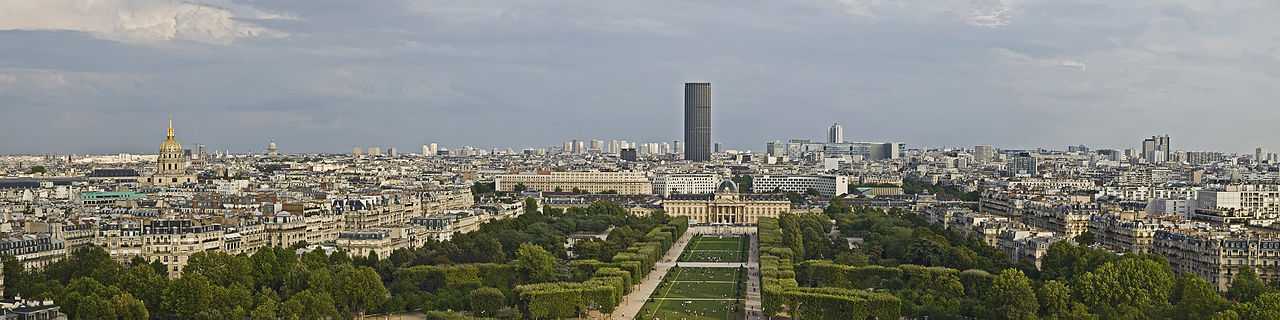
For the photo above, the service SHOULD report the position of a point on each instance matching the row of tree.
(935, 273)
(477, 272)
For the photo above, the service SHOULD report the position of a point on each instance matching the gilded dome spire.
(170, 136)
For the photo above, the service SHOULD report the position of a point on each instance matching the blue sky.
(81, 76)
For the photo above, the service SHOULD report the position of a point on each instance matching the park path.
(632, 303)
(752, 305)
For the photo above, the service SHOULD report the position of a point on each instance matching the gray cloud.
(328, 75)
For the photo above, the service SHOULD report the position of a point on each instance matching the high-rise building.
(678, 146)
(1261, 155)
(1024, 163)
(356, 151)
(391, 151)
(426, 150)
(697, 121)
(628, 154)
(835, 134)
(984, 153)
(1158, 144)
(719, 147)
(375, 151)
(434, 148)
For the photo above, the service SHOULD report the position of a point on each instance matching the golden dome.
(170, 145)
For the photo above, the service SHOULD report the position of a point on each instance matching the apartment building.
(625, 182)
(34, 251)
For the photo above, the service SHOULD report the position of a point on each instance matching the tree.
(1194, 298)
(188, 296)
(520, 187)
(36, 169)
(1011, 297)
(128, 307)
(1085, 238)
(363, 288)
(812, 192)
(531, 206)
(1246, 286)
(486, 302)
(142, 283)
(94, 307)
(535, 264)
(1125, 288)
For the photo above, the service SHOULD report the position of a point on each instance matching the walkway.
(635, 300)
(752, 305)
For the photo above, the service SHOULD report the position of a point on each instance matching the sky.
(104, 76)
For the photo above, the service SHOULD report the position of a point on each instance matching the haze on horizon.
(80, 76)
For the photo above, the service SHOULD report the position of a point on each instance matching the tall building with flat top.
(835, 134)
(697, 121)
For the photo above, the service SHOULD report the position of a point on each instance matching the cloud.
(1019, 58)
(981, 13)
(150, 21)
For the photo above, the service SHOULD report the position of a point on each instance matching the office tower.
(391, 151)
(577, 146)
(597, 146)
(678, 146)
(719, 148)
(664, 148)
(628, 154)
(1261, 154)
(1158, 144)
(697, 121)
(434, 148)
(356, 151)
(984, 153)
(835, 134)
(1024, 163)
(776, 148)
(567, 147)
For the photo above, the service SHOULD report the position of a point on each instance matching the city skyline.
(325, 77)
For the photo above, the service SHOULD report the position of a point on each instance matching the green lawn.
(702, 274)
(714, 249)
(674, 298)
(693, 310)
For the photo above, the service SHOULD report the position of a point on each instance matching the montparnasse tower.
(171, 161)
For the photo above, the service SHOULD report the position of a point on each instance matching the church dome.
(727, 186)
(170, 146)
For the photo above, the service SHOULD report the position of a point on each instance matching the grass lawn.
(678, 296)
(693, 310)
(714, 249)
(702, 274)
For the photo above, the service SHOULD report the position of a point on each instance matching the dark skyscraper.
(697, 121)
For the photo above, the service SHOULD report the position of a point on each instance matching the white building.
(666, 184)
(829, 185)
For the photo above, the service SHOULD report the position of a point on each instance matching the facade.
(828, 185)
(984, 153)
(697, 121)
(797, 148)
(34, 251)
(1024, 164)
(726, 206)
(594, 182)
(666, 184)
